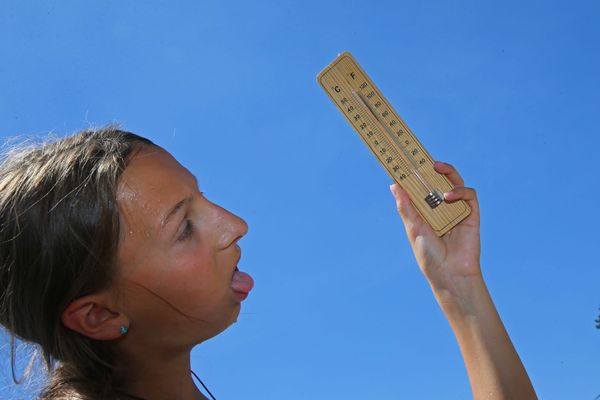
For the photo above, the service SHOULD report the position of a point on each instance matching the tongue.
(242, 282)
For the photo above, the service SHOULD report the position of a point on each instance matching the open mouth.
(241, 282)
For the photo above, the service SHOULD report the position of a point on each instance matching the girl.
(116, 265)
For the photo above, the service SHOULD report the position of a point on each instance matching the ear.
(93, 317)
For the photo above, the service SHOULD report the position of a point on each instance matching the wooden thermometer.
(392, 142)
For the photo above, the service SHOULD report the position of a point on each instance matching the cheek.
(190, 284)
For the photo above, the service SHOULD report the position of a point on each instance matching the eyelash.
(187, 231)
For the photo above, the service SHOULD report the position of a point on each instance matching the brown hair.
(59, 227)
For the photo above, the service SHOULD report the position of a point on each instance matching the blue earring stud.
(123, 329)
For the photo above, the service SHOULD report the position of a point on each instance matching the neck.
(158, 376)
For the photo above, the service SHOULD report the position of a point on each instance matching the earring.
(123, 329)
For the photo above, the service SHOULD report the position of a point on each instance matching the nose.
(233, 228)
(241, 227)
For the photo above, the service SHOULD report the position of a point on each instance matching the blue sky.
(509, 92)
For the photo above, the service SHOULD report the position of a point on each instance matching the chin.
(236, 313)
(230, 321)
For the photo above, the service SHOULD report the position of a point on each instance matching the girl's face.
(177, 253)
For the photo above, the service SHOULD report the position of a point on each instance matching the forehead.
(152, 181)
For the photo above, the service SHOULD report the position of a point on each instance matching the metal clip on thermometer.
(392, 142)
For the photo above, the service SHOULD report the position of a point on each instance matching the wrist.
(465, 296)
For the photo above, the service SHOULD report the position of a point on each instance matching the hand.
(449, 261)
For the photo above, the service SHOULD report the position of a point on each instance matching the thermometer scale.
(392, 142)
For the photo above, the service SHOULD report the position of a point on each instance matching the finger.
(460, 193)
(463, 193)
(409, 214)
(450, 172)
(403, 204)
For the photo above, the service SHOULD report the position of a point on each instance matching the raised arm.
(452, 267)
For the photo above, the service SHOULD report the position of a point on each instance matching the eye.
(187, 230)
